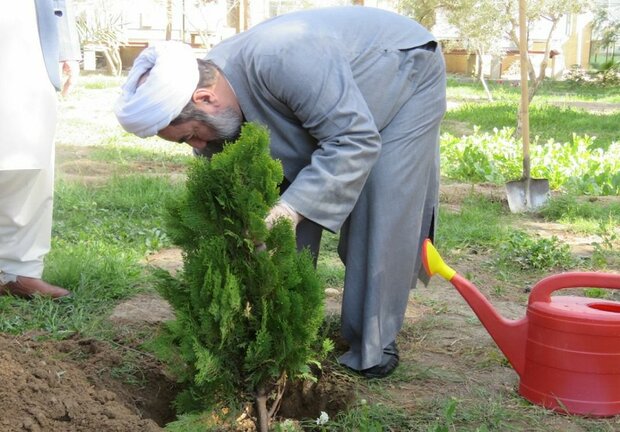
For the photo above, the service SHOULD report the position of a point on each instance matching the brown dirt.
(68, 386)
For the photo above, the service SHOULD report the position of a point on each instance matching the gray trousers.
(380, 242)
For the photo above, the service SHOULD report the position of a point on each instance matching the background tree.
(551, 11)
(99, 23)
(480, 25)
(238, 14)
(484, 25)
(606, 29)
(169, 16)
(423, 11)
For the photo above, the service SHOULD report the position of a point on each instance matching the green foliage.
(99, 275)
(595, 292)
(578, 167)
(479, 223)
(329, 266)
(569, 209)
(203, 422)
(100, 236)
(425, 11)
(244, 316)
(547, 120)
(446, 423)
(126, 211)
(481, 157)
(595, 217)
(551, 91)
(365, 417)
(605, 253)
(605, 75)
(132, 155)
(527, 253)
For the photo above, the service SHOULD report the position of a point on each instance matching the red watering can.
(566, 350)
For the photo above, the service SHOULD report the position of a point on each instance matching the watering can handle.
(543, 289)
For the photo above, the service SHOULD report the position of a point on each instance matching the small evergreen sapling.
(246, 319)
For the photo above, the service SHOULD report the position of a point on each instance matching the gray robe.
(353, 105)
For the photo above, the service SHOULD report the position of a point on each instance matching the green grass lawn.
(559, 110)
(460, 88)
(547, 121)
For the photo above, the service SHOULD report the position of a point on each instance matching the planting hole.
(332, 393)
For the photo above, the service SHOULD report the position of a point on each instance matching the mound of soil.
(65, 386)
(84, 385)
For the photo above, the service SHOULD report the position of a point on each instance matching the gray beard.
(226, 125)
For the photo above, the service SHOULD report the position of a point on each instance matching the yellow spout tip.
(433, 264)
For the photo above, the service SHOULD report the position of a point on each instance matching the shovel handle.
(524, 65)
(541, 292)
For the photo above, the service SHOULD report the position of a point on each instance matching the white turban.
(146, 109)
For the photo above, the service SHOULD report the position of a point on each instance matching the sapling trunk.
(260, 401)
(246, 318)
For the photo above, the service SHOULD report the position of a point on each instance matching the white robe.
(27, 124)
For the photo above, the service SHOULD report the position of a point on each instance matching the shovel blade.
(527, 194)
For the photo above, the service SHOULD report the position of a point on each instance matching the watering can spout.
(434, 264)
(509, 335)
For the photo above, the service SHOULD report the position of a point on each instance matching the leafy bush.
(606, 74)
(534, 254)
(578, 167)
(246, 318)
(481, 157)
(569, 208)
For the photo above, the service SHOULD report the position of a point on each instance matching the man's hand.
(70, 69)
(283, 210)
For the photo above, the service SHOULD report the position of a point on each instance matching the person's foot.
(389, 362)
(27, 287)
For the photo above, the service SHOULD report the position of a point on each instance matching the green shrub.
(246, 318)
(527, 253)
(481, 157)
(578, 166)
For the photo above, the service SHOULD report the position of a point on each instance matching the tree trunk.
(280, 386)
(524, 121)
(244, 9)
(168, 19)
(481, 76)
(232, 15)
(262, 415)
(110, 62)
(118, 62)
(542, 73)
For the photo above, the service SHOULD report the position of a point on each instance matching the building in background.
(204, 23)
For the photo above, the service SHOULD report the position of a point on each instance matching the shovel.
(527, 193)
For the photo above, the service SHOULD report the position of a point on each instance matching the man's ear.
(204, 96)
